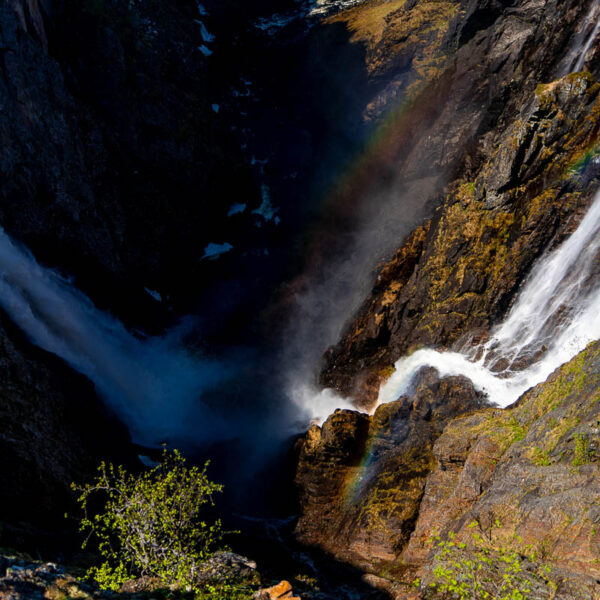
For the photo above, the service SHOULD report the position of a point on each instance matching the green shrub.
(150, 525)
(582, 451)
(485, 569)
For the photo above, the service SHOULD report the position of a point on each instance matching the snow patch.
(266, 209)
(213, 251)
(206, 36)
(156, 295)
(236, 209)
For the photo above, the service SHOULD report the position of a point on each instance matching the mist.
(333, 288)
(153, 384)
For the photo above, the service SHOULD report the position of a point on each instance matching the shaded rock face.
(114, 166)
(361, 478)
(533, 468)
(46, 442)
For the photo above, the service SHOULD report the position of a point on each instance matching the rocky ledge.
(528, 476)
(362, 478)
(24, 579)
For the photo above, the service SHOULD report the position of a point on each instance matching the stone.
(282, 590)
(519, 472)
(361, 484)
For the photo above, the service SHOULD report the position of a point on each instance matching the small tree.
(486, 569)
(150, 524)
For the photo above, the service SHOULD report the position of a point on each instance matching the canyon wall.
(513, 137)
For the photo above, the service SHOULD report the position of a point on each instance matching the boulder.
(361, 478)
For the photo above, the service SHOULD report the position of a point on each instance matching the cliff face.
(362, 478)
(113, 165)
(377, 490)
(105, 118)
(534, 467)
(513, 142)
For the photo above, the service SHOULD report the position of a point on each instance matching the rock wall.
(518, 188)
(516, 141)
(114, 167)
(533, 468)
(376, 491)
(362, 478)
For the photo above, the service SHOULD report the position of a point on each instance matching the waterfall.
(153, 384)
(575, 60)
(556, 315)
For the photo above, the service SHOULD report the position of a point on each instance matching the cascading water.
(575, 60)
(556, 315)
(152, 384)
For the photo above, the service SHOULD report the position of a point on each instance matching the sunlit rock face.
(518, 139)
(374, 490)
(495, 222)
(534, 468)
(361, 478)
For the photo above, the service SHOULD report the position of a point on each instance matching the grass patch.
(367, 23)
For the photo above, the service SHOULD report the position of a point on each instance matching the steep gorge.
(156, 169)
(518, 190)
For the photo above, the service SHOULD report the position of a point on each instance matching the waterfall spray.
(576, 58)
(154, 385)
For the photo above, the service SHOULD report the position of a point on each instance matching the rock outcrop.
(459, 272)
(361, 478)
(533, 470)
(527, 476)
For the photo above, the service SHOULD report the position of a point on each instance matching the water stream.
(576, 58)
(152, 384)
(556, 315)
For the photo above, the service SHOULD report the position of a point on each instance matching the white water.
(314, 405)
(152, 384)
(556, 315)
(576, 58)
